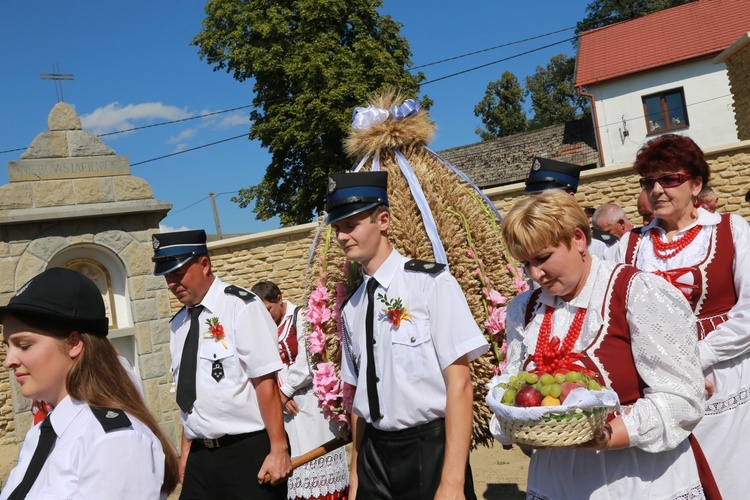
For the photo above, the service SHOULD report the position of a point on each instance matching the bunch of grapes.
(533, 389)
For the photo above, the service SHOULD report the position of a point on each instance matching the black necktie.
(189, 362)
(372, 379)
(47, 439)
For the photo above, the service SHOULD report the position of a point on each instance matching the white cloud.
(163, 228)
(113, 117)
(182, 136)
(233, 120)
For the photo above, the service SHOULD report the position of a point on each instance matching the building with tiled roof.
(508, 159)
(656, 74)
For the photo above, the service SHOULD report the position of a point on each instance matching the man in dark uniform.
(224, 360)
(552, 174)
(409, 338)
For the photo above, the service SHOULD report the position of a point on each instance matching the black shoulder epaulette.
(341, 307)
(111, 418)
(178, 312)
(424, 266)
(603, 236)
(239, 292)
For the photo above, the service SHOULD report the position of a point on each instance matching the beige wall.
(738, 69)
(730, 179)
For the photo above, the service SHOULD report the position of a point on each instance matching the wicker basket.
(557, 429)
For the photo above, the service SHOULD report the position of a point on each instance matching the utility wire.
(495, 62)
(188, 150)
(173, 121)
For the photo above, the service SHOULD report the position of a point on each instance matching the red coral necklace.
(670, 249)
(549, 355)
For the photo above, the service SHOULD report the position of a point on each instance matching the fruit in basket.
(551, 401)
(566, 387)
(528, 395)
(532, 389)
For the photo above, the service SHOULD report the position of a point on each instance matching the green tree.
(311, 63)
(605, 12)
(501, 109)
(554, 99)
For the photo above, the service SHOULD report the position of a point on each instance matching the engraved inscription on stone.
(68, 168)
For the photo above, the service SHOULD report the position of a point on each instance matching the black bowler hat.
(352, 193)
(65, 296)
(552, 174)
(173, 250)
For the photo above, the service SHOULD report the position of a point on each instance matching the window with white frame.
(665, 111)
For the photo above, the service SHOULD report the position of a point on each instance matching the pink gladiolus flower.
(471, 253)
(496, 321)
(495, 297)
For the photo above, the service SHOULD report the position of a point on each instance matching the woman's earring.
(696, 203)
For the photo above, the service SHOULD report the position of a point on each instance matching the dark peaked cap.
(65, 296)
(552, 174)
(173, 250)
(352, 193)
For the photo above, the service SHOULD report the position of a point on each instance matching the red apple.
(567, 387)
(528, 395)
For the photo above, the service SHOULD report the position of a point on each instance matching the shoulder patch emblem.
(424, 266)
(239, 292)
(111, 418)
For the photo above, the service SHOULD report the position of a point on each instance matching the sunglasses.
(665, 181)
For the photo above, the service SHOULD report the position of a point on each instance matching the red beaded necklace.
(670, 249)
(549, 355)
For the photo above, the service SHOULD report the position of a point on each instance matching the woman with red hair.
(707, 257)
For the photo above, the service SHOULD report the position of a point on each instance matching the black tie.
(47, 439)
(188, 363)
(372, 379)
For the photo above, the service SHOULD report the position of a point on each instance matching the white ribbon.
(364, 118)
(424, 208)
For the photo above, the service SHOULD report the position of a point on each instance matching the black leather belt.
(225, 440)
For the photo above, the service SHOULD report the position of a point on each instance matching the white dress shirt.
(87, 462)
(250, 350)
(410, 360)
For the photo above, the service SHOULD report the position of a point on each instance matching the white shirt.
(731, 339)
(87, 462)
(410, 361)
(297, 375)
(250, 349)
(659, 462)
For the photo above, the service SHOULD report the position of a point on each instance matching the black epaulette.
(603, 236)
(178, 312)
(111, 418)
(239, 292)
(424, 266)
(341, 307)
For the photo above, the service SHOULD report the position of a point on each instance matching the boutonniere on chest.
(216, 330)
(395, 310)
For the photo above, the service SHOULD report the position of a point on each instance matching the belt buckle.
(211, 443)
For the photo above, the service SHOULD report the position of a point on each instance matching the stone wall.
(730, 179)
(737, 60)
(279, 256)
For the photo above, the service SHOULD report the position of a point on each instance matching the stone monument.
(72, 202)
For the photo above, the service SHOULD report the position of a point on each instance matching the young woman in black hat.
(100, 440)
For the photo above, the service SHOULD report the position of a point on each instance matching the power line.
(490, 48)
(188, 150)
(185, 208)
(495, 62)
(174, 121)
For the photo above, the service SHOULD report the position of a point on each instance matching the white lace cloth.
(323, 476)
(725, 353)
(580, 398)
(659, 462)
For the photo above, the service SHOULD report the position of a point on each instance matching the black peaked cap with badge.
(552, 174)
(173, 250)
(64, 296)
(351, 193)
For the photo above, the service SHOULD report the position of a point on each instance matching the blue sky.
(134, 66)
